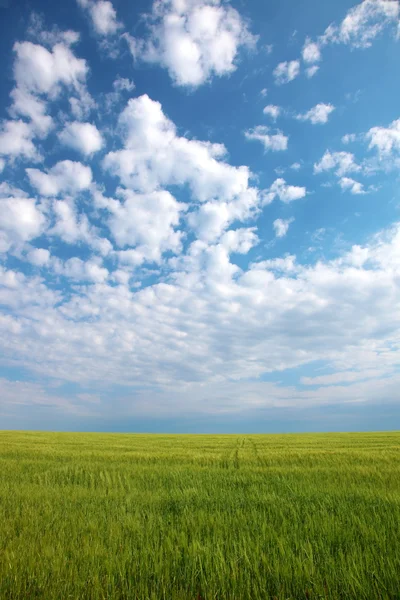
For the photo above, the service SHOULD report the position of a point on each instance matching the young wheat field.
(110, 516)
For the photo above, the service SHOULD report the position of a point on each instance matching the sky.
(199, 215)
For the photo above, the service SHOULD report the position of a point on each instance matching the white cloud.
(366, 20)
(83, 137)
(286, 71)
(341, 377)
(275, 142)
(22, 219)
(41, 71)
(385, 139)
(194, 40)
(347, 183)
(240, 240)
(318, 114)
(74, 227)
(122, 84)
(28, 105)
(79, 270)
(361, 25)
(103, 16)
(296, 166)
(285, 193)
(41, 75)
(211, 322)
(311, 52)
(154, 156)
(348, 138)
(264, 92)
(2, 164)
(146, 222)
(65, 176)
(16, 140)
(39, 256)
(311, 71)
(213, 217)
(272, 111)
(281, 227)
(343, 162)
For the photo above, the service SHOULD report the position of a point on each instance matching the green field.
(107, 516)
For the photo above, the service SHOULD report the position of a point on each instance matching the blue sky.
(199, 223)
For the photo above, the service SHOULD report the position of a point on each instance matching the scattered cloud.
(22, 219)
(343, 162)
(285, 193)
(281, 227)
(16, 140)
(154, 156)
(348, 138)
(194, 41)
(286, 71)
(364, 22)
(385, 139)
(319, 114)
(103, 16)
(311, 52)
(311, 71)
(83, 137)
(65, 176)
(272, 111)
(275, 141)
(354, 187)
(122, 84)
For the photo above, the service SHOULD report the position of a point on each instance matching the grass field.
(97, 516)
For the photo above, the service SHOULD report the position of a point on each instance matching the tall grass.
(91, 516)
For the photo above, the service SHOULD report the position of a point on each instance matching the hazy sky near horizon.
(199, 215)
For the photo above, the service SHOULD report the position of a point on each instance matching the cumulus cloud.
(213, 217)
(65, 176)
(22, 219)
(343, 162)
(311, 71)
(42, 71)
(318, 114)
(155, 156)
(16, 140)
(385, 139)
(354, 187)
(365, 21)
(272, 111)
(281, 227)
(275, 315)
(147, 223)
(311, 52)
(286, 193)
(349, 138)
(286, 71)
(40, 76)
(271, 141)
(103, 16)
(83, 137)
(359, 28)
(79, 270)
(30, 106)
(122, 84)
(193, 40)
(39, 256)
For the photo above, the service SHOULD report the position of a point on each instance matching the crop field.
(110, 516)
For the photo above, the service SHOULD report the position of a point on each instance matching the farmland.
(109, 516)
